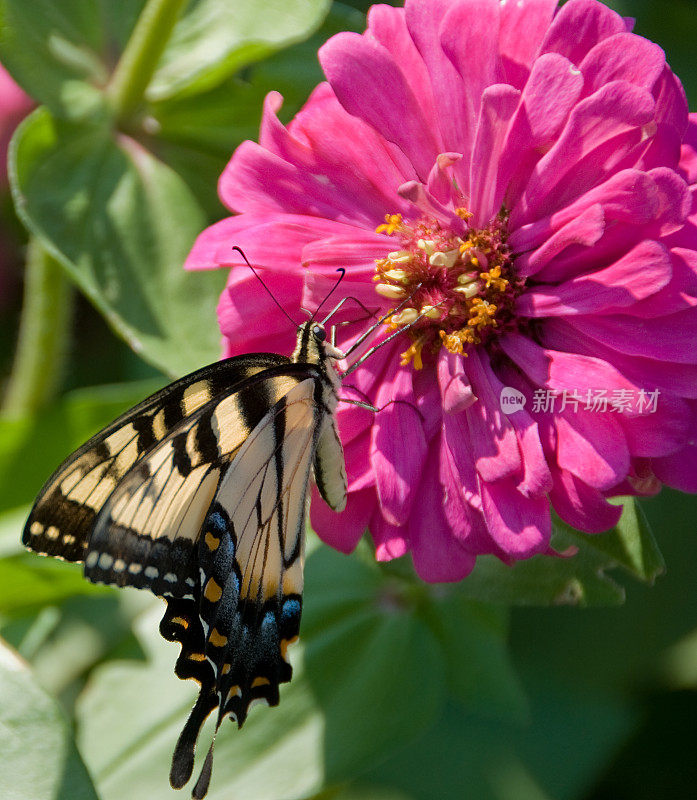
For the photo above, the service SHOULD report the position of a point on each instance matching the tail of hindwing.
(235, 648)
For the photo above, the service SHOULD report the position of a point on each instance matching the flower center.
(456, 290)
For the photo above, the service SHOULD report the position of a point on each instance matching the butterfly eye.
(319, 333)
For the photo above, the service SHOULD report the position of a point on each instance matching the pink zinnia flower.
(521, 176)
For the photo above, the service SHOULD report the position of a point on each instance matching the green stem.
(43, 334)
(141, 56)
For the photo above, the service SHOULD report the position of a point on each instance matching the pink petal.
(679, 294)
(669, 338)
(388, 26)
(272, 240)
(580, 25)
(370, 86)
(492, 436)
(462, 506)
(594, 141)
(581, 506)
(639, 373)
(249, 317)
(584, 231)
(624, 57)
(438, 556)
(548, 96)
(630, 196)
(520, 526)
(640, 273)
(350, 155)
(688, 151)
(564, 371)
(537, 478)
(455, 127)
(523, 26)
(469, 38)
(441, 178)
(398, 448)
(257, 181)
(391, 541)
(342, 531)
(456, 390)
(593, 447)
(498, 104)
(680, 469)
(660, 433)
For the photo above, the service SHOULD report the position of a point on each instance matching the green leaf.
(216, 38)
(544, 580)
(630, 544)
(121, 223)
(40, 760)
(29, 582)
(54, 49)
(474, 638)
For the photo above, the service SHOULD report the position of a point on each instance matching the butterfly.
(199, 494)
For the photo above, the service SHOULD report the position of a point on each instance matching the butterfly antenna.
(392, 336)
(258, 277)
(331, 291)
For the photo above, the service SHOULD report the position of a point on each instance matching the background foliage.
(498, 688)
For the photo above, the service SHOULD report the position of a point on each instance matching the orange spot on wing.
(211, 542)
(217, 639)
(212, 592)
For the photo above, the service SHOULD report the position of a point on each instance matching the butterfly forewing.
(65, 512)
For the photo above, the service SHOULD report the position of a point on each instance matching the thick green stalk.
(43, 335)
(141, 56)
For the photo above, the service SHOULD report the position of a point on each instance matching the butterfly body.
(199, 494)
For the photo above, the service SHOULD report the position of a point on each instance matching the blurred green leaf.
(630, 544)
(40, 760)
(53, 48)
(474, 637)
(215, 38)
(580, 579)
(32, 447)
(31, 582)
(121, 223)
(544, 580)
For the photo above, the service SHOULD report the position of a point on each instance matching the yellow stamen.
(391, 292)
(413, 353)
(428, 245)
(396, 275)
(391, 224)
(405, 316)
(431, 312)
(468, 291)
(400, 256)
(444, 259)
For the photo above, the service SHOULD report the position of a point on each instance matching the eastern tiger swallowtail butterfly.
(199, 494)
